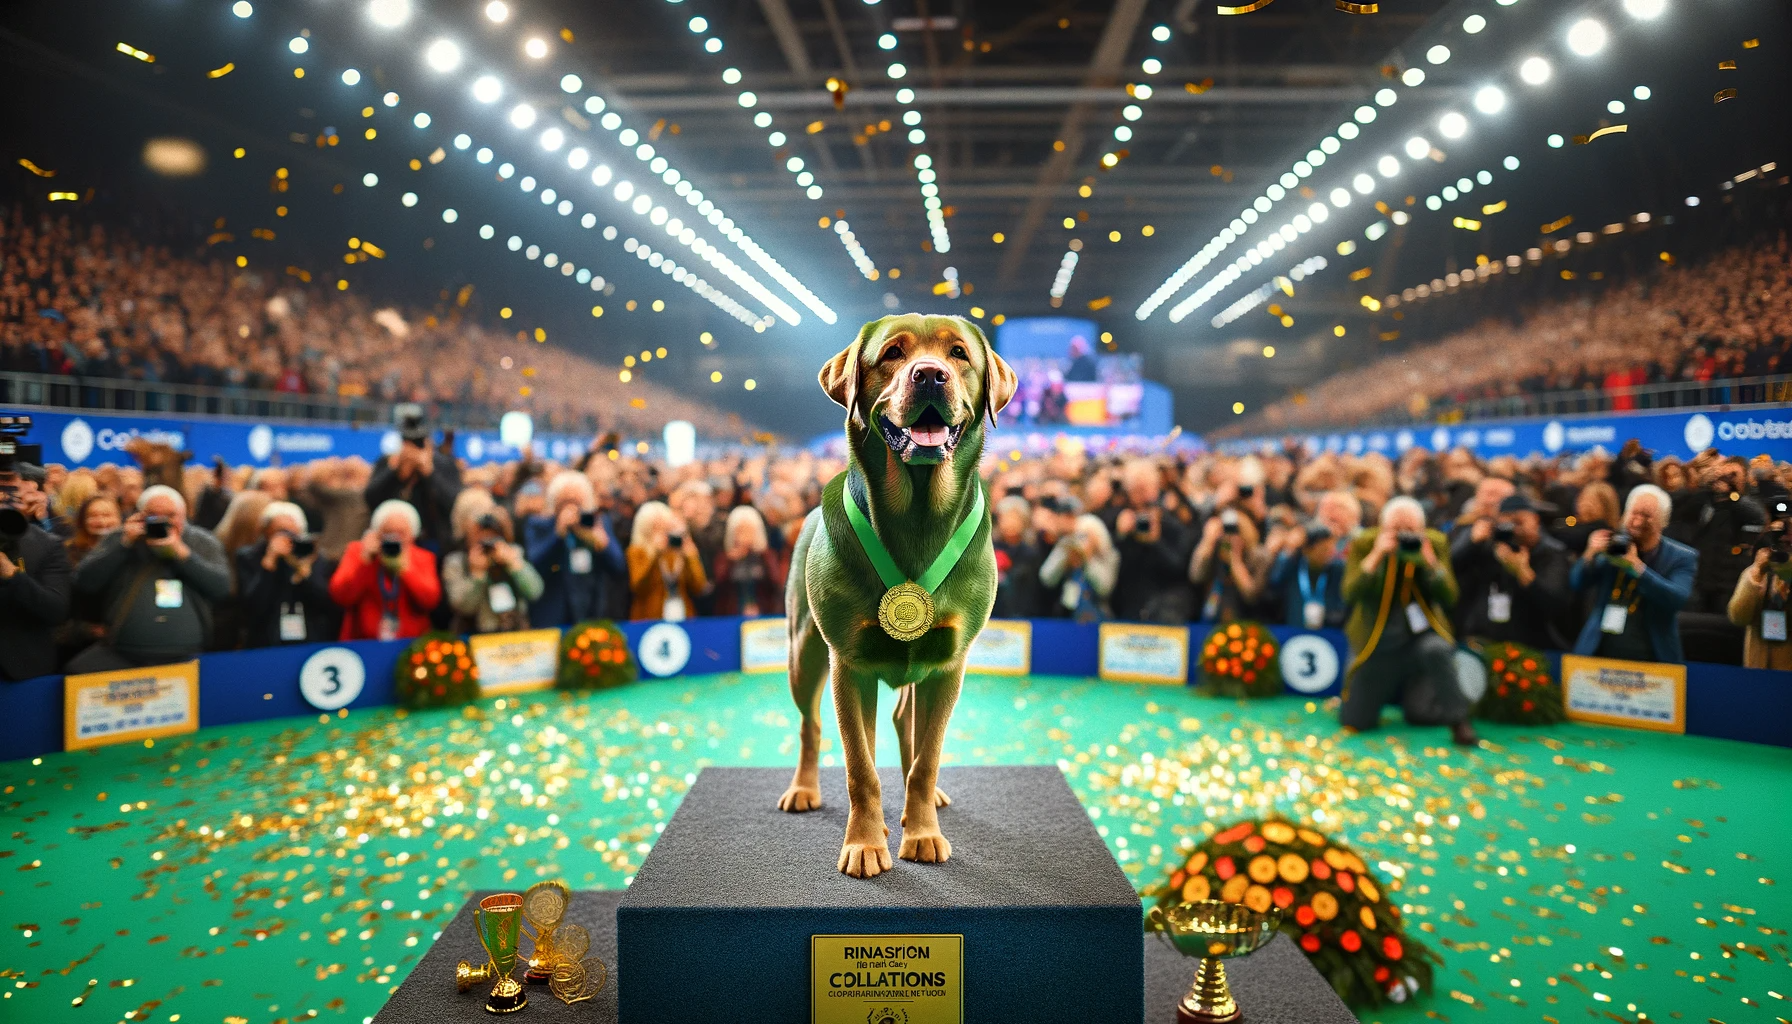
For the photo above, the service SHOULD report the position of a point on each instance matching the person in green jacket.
(1398, 584)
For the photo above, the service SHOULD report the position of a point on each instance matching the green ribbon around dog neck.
(880, 556)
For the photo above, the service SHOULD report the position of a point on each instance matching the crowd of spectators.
(85, 302)
(1725, 318)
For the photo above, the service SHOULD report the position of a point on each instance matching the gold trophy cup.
(500, 923)
(544, 904)
(1214, 931)
(466, 975)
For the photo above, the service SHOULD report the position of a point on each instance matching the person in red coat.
(385, 584)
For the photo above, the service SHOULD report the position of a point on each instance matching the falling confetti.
(1254, 5)
(1581, 140)
(1724, 94)
(1349, 8)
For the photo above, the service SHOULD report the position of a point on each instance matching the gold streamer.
(1582, 140)
(228, 67)
(1349, 8)
(1254, 5)
(1724, 94)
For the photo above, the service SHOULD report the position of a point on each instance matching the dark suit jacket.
(1538, 610)
(568, 597)
(263, 596)
(1665, 587)
(32, 604)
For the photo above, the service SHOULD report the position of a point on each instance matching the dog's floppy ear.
(840, 375)
(999, 380)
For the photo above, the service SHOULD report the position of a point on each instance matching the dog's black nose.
(929, 372)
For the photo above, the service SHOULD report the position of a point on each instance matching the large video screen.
(1064, 379)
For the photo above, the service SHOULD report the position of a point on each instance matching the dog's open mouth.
(928, 434)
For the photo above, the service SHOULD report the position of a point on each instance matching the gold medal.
(906, 611)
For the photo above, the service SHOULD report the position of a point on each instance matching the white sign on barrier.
(332, 678)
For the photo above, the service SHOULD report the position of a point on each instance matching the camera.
(304, 547)
(1618, 546)
(1506, 533)
(155, 527)
(408, 417)
(587, 519)
(1317, 532)
(1246, 491)
(1229, 522)
(391, 548)
(674, 540)
(1410, 541)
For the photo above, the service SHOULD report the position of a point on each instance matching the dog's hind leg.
(865, 852)
(903, 718)
(934, 699)
(808, 676)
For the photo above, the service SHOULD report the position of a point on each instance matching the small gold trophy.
(1214, 931)
(500, 923)
(466, 975)
(544, 904)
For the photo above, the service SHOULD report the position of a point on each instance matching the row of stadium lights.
(444, 55)
(1585, 38)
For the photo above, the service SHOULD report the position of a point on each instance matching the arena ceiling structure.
(1209, 187)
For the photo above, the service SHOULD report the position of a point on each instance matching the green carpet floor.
(296, 870)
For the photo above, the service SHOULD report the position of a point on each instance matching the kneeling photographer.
(36, 582)
(1759, 602)
(284, 583)
(1640, 580)
(490, 584)
(1514, 578)
(157, 577)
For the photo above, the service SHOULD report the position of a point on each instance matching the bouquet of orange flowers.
(1238, 659)
(1521, 689)
(1333, 906)
(436, 670)
(594, 656)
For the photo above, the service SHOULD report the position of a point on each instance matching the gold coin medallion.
(906, 611)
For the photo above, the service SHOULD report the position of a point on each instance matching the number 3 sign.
(1309, 663)
(332, 678)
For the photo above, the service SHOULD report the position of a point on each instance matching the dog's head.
(919, 383)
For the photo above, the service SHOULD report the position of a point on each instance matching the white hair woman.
(665, 573)
(572, 548)
(489, 583)
(283, 584)
(386, 584)
(1400, 588)
(1082, 569)
(749, 574)
(1640, 581)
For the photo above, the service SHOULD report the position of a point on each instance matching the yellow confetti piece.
(64, 197)
(1554, 226)
(1349, 8)
(1466, 224)
(1724, 94)
(1492, 208)
(1254, 5)
(228, 67)
(1726, 65)
(1582, 140)
(145, 57)
(34, 169)
(1749, 44)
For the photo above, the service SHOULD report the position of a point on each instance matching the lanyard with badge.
(673, 610)
(1312, 609)
(1773, 615)
(388, 605)
(578, 557)
(1415, 612)
(292, 622)
(1626, 595)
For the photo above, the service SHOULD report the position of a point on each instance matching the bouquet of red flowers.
(1238, 659)
(1333, 906)
(594, 656)
(436, 670)
(1521, 689)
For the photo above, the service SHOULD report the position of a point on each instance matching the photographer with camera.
(157, 577)
(490, 584)
(1513, 577)
(664, 569)
(1308, 575)
(1758, 604)
(1154, 552)
(1722, 523)
(1080, 572)
(574, 550)
(1639, 580)
(387, 584)
(420, 476)
(36, 580)
(1227, 561)
(1398, 583)
(283, 583)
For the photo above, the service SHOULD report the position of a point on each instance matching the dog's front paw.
(798, 799)
(865, 860)
(928, 846)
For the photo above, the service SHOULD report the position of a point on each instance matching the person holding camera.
(283, 583)
(1721, 522)
(1639, 580)
(157, 577)
(36, 584)
(1400, 588)
(1759, 602)
(1081, 571)
(664, 569)
(386, 584)
(749, 574)
(490, 584)
(1225, 562)
(1308, 574)
(1514, 578)
(573, 549)
(1018, 556)
(420, 476)
(1154, 552)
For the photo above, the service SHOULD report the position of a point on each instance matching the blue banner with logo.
(94, 438)
(1754, 430)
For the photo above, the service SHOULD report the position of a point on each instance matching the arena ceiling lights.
(1583, 35)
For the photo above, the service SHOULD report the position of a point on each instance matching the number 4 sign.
(332, 678)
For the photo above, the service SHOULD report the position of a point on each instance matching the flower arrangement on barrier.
(1521, 690)
(1333, 906)
(594, 656)
(436, 670)
(1238, 659)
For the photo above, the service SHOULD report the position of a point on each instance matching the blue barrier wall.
(1722, 701)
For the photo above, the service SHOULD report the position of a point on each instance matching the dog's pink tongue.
(928, 437)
